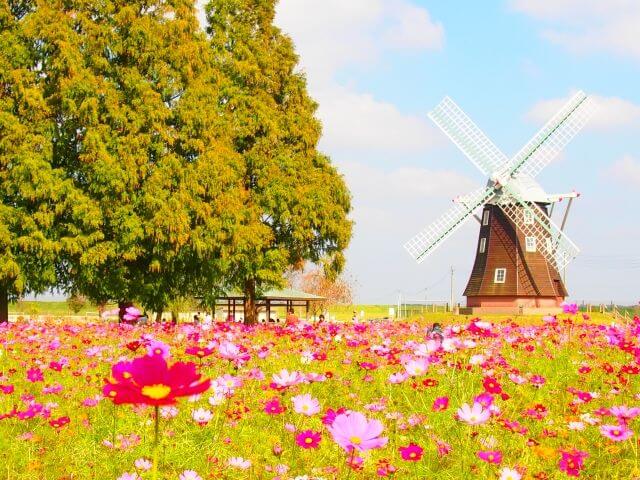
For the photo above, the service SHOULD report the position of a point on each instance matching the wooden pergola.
(287, 298)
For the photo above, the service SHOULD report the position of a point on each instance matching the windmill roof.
(529, 189)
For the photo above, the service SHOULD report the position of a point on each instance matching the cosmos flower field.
(385, 399)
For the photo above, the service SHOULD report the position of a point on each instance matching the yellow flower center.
(412, 455)
(126, 375)
(308, 440)
(355, 440)
(305, 408)
(157, 391)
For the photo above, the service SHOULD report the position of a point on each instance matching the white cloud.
(356, 121)
(379, 186)
(612, 112)
(626, 170)
(582, 26)
(333, 34)
(413, 28)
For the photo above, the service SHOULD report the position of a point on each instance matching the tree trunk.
(159, 315)
(250, 311)
(4, 304)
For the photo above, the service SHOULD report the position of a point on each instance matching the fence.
(410, 308)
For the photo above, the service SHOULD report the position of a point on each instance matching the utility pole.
(451, 304)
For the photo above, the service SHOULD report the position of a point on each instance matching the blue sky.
(377, 67)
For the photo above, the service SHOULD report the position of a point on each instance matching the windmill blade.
(554, 245)
(468, 137)
(431, 237)
(553, 137)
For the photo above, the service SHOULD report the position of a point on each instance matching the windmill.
(520, 251)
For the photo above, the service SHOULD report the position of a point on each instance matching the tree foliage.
(132, 85)
(44, 217)
(295, 204)
(144, 160)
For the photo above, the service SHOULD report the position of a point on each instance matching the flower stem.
(154, 472)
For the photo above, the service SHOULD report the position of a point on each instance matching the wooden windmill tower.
(520, 251)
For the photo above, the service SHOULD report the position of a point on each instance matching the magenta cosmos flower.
(273, 407)
(149, 380)
(572, 462)
(308, 439)
(411, 452)
(354, 431)
(490, 456)
(440, 404)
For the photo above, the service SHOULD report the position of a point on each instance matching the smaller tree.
(336, 291)
(76, 303)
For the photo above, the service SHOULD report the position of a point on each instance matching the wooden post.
(306, 313)
(268, 310)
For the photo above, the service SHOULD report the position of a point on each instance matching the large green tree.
(133, 88)
(44, 218)
(295, 204)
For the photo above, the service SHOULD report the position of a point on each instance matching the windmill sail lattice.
(432, 236)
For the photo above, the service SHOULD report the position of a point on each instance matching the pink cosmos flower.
(572, 462)
(330, 415)
(354, 431)
(156, 347)
(624, 413)
(475, 415)
(417, 366)
(485, 399)
(308, 439)
(189, 475)
(285, 379)
(199, 352)
(273, 407)
(571, 308)
(440, 404)
(617, 433)
(411, 452)
(143, 464)
(129, 476)
(537, 380)
(305, 404)
(396, 378)
(149, 380)
(35, 375)
(232, 352)
(131, 314)
(239, 462)
(201, 416)
(509, 474)
(490, 456)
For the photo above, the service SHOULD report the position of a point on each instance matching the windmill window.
(500, 275)
(485, 217)
(483, 244)
(530, 244)
(528, 217)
